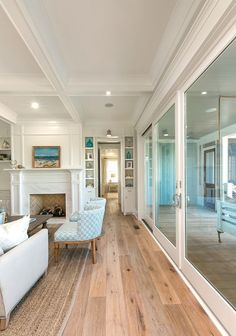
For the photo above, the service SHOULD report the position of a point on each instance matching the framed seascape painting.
(46, 157)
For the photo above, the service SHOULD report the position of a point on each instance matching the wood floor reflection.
(216, 261)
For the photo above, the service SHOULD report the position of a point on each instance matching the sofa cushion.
(13, 233)
(1, 251)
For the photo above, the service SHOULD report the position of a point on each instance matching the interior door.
(209, 178)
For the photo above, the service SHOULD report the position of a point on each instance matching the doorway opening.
(109, 172)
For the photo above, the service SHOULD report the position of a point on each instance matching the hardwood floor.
(133, 289)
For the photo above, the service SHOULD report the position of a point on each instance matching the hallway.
(133, 289)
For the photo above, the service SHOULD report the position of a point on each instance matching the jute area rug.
(45, 309)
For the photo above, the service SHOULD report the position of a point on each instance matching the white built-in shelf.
(5, 149)
(129, 168)
(129, 177)
(128, 159)
(89, 178)
(5, 161)
(89, 160)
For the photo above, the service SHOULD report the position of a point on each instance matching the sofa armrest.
(20, 268)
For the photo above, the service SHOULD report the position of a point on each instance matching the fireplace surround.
(26, 182)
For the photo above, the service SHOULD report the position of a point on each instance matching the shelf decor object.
(129, 162)
(88, 142)
(5, 149)
(89, 166)
(6, 144)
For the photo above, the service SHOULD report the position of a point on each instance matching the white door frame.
(173, 251)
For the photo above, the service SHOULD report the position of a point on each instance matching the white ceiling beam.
(20, 18)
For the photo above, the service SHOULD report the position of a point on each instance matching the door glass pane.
(148, 174)
(165, 183)
(210, 166)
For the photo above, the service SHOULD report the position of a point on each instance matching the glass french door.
(167, 200)
(209, 255)
(148, 183)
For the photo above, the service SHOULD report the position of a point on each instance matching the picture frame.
(89, 156)
(129, 164)
(46, 156)
(88, 142)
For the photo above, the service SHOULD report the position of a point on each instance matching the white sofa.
(20, 268)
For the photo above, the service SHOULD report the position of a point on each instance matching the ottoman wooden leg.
(93, 243)
(56, 252)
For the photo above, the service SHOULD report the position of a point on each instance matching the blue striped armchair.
(85, 226)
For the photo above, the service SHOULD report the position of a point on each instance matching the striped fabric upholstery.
(87, 227)
(98, 200)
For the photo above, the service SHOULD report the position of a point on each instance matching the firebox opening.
(44, 204)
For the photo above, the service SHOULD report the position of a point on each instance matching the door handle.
(177, 201)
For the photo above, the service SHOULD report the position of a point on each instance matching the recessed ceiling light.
(213, 109)
(35, 105)
(108, 93)
(165, 133)
(109, 105)
(204, 92)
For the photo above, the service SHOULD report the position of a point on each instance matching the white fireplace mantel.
(25, 182)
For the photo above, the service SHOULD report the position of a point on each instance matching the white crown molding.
(211, 25)
(140, 106)
(127, 85)
(7, 114)
(176, 29)
(22, 21)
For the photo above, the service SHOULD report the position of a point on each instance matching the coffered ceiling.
(66, 55)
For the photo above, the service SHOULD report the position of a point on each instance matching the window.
(112, 172)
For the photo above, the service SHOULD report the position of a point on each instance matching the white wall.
(101, 130)
(66, 135)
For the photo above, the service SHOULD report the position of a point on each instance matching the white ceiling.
(65, 55)
(22, 106)
(95, 110)
(15, 58)
(107, 38)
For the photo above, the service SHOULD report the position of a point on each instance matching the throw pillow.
(2, 217)
(1, 251)
(14, 233)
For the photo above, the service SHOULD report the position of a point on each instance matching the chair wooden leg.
(93, 243)
(4, 322)
(56, 252)
(96, 247)
(66, 246)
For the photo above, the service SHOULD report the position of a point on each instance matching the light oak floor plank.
(133, 290)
